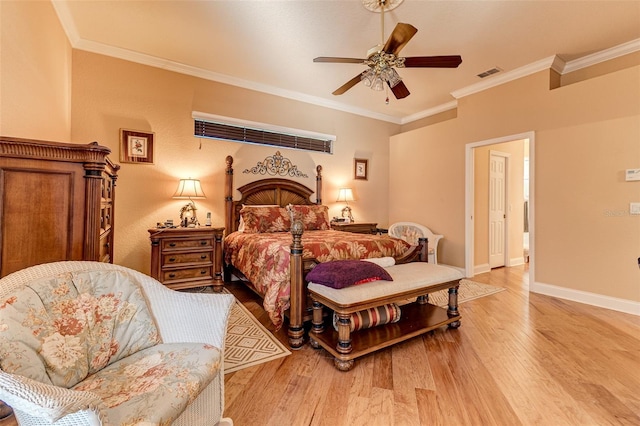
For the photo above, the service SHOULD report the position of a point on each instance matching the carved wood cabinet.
(57, 202)
(187, 257)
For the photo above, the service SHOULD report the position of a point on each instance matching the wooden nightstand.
(187, 257)
(356, 227)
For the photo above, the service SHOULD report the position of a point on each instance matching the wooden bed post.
(319, 185)
(297, 293)
(228, 195)
(423, 244)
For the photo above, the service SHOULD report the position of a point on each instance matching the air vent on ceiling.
(487, 73)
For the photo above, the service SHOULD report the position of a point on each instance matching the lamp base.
(346, 212)
(188, 218)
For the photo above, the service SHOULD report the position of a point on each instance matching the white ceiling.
(270, 45)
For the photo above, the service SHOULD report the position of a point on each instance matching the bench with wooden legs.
(410, 281)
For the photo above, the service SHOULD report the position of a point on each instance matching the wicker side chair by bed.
(91, 343)
(410, 232)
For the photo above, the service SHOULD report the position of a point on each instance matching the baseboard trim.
(602, 301)
(516, 261)
(481, 269)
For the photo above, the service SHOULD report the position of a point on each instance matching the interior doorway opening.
(513, 236)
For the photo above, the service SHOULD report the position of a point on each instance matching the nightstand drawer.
(184, 243)
(203, 272)
(356, 227)
(184, 258)
(178, 258)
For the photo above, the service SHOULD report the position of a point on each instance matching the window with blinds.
(242, 133)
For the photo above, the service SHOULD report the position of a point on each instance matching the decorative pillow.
(241, 222)
(344, 273)
(385, 262)
(265, 219)
(313, 217)
(380, 315)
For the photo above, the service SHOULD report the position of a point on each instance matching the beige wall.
(35, 72)
(515, 197)
(110, 94)
(586, 135)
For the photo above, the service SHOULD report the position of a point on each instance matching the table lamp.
(188, 189)
(346, 195)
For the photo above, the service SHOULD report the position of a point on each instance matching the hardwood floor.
(517, 359)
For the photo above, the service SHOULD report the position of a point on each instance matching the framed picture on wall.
(361, 168)
(136, 146)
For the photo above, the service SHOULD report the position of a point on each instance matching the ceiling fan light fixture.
(378, 84)
(368, 77)
(392, 77)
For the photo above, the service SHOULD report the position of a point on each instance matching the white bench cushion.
(406, 277)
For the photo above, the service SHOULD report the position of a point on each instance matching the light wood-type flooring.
(519, 358)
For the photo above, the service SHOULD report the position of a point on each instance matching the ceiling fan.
(383, 58)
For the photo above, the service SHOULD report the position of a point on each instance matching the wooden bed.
(282, 192)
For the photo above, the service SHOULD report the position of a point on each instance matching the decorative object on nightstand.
(346, 195)
(187, 257)
(189, 189)
(358, 228)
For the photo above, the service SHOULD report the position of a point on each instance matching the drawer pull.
(172, 259)
(172, 275)
(203, 257)
(203, 243)
(202, 272)
(172, 244)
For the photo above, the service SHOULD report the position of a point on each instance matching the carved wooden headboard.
(275, 191)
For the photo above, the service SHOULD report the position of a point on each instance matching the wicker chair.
(410, 232)
(195, 320)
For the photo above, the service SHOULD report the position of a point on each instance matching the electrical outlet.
(634, 208)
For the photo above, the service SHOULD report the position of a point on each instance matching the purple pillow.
(344, 273)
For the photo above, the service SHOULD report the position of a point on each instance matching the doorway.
(477, 221)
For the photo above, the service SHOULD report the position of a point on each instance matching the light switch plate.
(632, 174)
(634, 208)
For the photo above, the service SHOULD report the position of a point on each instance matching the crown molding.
(602, 56)
(429, 112)
(508, 76)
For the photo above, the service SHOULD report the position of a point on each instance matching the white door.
(497, 209)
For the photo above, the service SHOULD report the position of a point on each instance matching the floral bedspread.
(264, 258)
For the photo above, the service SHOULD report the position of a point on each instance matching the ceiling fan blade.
(400, 90)
(400, 36)
(339, 60)
(433, 61)
(348, 85)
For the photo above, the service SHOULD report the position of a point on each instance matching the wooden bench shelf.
(416, 319)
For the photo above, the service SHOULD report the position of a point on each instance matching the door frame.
(469, 198)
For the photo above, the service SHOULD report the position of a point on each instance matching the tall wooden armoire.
(56, 202)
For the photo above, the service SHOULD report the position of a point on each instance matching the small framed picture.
(361, 168)
(136, 146)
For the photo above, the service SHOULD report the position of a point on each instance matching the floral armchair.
(90, 343)
(410, 232)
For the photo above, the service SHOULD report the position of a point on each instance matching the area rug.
(248, 342)
(468, 290)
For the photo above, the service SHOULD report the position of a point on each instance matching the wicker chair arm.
(51, 403)
(189, 317)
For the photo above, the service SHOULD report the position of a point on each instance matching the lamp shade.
(345, 194)
(189, 188)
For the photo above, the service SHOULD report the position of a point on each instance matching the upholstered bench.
(410, 281)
